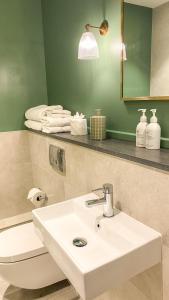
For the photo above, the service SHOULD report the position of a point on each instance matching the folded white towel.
(56, 122)
(64, 112)
(59, 113)
(55, 116)
(55, 107)
(35, 113)
(38, 112)
(56, 129)
(33, 125)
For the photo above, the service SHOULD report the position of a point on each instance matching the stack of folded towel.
(49, 119)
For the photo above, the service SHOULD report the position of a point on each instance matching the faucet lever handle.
(99, 189)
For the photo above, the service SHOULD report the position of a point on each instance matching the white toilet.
(24, 261)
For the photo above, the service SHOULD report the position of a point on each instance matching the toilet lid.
(20, 243)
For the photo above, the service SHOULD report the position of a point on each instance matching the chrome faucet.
(107, 200)
(108, 195)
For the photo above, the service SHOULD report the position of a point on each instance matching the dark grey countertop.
(124, 149)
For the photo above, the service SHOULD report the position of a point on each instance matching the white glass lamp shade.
(88, 48)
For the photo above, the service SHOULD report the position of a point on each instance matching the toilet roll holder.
(37, 197)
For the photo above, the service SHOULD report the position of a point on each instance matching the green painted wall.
(82, 85)
(86, 85)
(137, 38)
(22, 63)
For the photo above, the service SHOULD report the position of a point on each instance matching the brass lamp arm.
(103, 28)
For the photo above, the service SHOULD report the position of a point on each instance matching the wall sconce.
(88, 48)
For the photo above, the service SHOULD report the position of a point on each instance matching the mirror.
(145, 50)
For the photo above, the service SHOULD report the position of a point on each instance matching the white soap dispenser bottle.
(153, 133)
(141, 130)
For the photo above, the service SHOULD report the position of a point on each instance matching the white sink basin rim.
(120, 249)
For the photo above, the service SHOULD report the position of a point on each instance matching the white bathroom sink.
(116, 251)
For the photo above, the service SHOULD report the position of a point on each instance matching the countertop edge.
(121, 154)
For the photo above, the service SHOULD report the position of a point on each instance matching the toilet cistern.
(107, 200)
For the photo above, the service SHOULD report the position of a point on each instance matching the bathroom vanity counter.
(124, 149)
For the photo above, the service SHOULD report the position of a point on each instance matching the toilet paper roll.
(37, 197)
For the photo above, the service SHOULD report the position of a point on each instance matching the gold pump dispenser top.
(98, 126)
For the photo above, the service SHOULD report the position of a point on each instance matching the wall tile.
(51, 184)
(138, 190)
(15, 175)
(14, 148)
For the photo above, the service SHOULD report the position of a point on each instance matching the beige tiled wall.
(43, 175)
(139, 191)
(15, 174)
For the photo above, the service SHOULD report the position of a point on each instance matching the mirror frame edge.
(143, 98)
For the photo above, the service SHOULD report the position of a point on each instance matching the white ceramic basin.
(121, 248)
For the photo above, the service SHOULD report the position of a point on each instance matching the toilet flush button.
(57, 159)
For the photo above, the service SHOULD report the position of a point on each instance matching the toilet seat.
(20, 243)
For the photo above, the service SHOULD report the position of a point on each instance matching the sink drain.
(79, 242)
